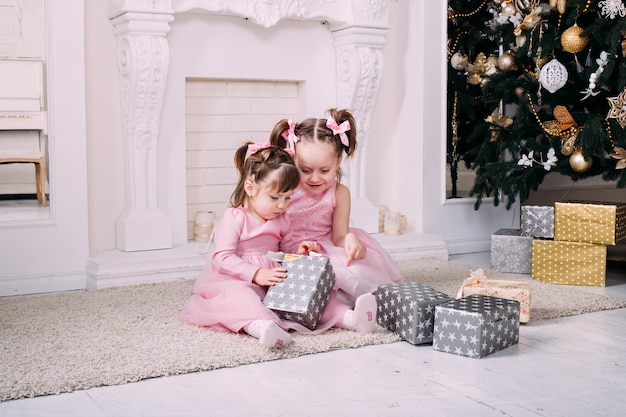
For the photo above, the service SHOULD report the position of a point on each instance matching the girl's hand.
(268, 277)
(355, 250)
(308, 246)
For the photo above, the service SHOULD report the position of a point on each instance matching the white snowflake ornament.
(612, 8)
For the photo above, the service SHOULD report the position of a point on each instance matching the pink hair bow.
(339, 129)
(290, 136)
(255, 147)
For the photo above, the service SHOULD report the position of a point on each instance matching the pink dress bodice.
(311, 218)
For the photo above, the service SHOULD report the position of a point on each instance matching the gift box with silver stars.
(476, 325)
(408, 309)
(302, 296)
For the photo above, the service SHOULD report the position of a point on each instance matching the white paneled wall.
(220, 116)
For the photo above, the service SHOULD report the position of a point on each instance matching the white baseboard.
(111, 268)
(39, 283)
(470, 244)
(413, 245)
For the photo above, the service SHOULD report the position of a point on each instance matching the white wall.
(104, 128)
(52, 254)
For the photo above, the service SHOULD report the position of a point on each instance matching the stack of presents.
(561, 244)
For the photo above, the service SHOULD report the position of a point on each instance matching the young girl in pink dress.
(320, 207)
(229, 293)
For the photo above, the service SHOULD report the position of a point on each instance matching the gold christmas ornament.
(567, 148)
(564, 127)
(578, 162)
(561, 5)
(618, 108)
(553, 3)
(507, 62)
(573, 40)
(619, 153)
(498, 123)
(459, 61)
(531, 20)
(564, 117)
(553, 76)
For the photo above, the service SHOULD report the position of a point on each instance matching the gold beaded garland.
(452, 15)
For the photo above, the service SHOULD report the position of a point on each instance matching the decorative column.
(143, 59)
(359, 70)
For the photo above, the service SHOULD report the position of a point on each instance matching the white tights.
(363, 317)
(269, 333)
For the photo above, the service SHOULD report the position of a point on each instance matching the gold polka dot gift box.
(569, 263)
(590, 222)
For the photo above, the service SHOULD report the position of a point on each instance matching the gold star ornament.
(618, 109)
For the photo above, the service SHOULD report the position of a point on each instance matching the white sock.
(269, 333)
(363, 317)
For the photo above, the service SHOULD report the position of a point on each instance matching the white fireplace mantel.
(358, 31)
(162, 43)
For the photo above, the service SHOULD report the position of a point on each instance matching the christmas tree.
(536, 87)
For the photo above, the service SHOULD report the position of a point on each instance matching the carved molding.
(359, 70)
(143, 59)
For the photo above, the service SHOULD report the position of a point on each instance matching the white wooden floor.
(570, 367)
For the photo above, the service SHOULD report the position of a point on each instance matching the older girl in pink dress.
(229, 293)
(320, 207)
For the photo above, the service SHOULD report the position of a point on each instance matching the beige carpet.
(63, 342)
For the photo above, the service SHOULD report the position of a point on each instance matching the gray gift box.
(476, 325)
(302, 296)
(511, 252)
(408, 309)
(537, 221)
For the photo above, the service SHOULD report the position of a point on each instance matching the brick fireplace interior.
(220, 116)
